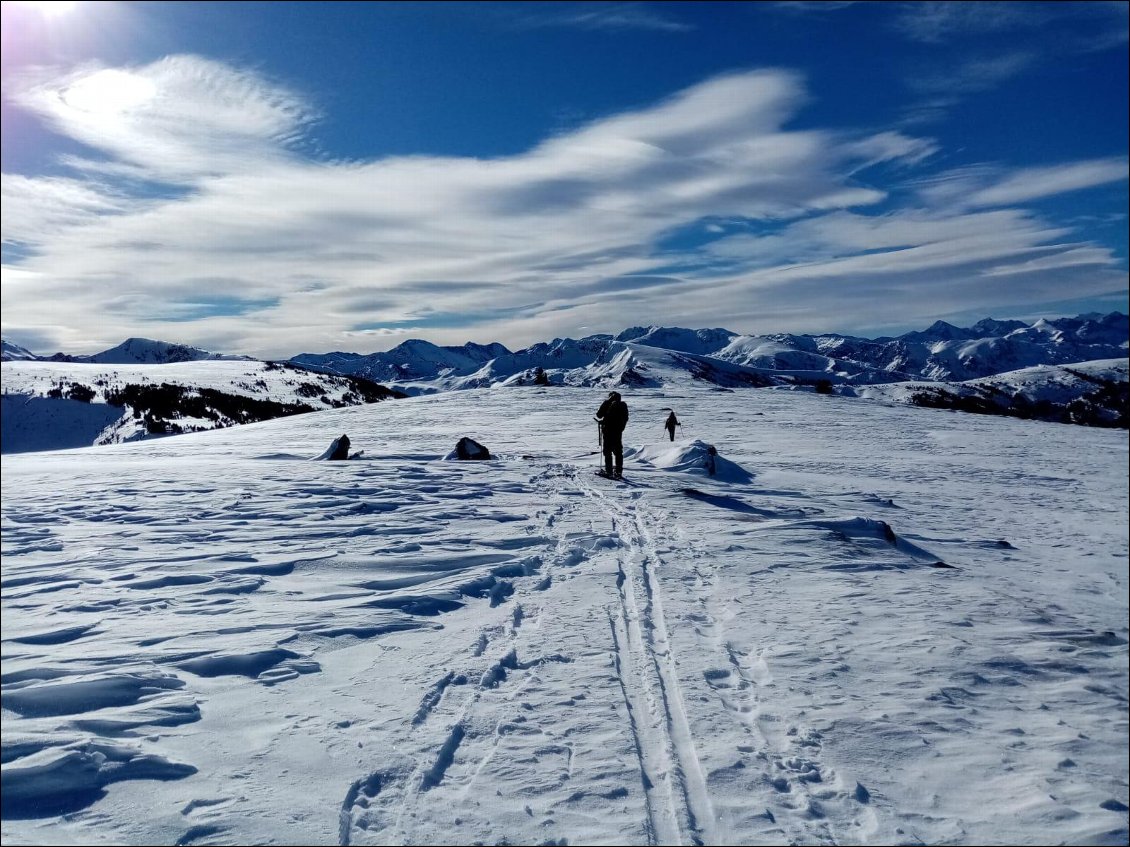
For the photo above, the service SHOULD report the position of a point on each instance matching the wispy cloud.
(36, 206)
(1062, 28)
(970, 48)
(264, 251)
(600, 17)
(1113, 19)
(937, 22)
(984, 186)
(178, 119)
(944, 86)
(811, 7)
(1035, 183)
(972, 75)
(1080, 256)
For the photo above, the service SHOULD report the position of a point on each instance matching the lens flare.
(46, 8)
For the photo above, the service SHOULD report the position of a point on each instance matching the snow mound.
(66, 779)
(695, 457)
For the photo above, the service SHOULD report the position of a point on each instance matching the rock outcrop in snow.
(468, 449)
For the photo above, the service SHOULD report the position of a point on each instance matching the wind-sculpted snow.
(881, 624)
(691, 457)
(64, 779)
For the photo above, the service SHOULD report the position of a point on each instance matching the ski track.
(677, 802)
(789, 768)
(809, 799)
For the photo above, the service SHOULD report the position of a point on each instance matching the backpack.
(616, 416)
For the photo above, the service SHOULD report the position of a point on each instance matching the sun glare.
(47, 8)
(109, 92)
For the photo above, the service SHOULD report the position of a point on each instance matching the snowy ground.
(34, 421)
(211, 639)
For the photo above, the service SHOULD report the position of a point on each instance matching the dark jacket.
(613, 415)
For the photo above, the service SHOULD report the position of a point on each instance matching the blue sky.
(275, 178)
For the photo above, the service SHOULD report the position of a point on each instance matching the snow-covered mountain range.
(132, 351)
(1071, 370)
(942, 352)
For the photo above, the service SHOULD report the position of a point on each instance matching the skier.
(672, 422)
(613, 417)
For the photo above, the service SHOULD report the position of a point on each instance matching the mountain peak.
(148, 351)
(14, 352)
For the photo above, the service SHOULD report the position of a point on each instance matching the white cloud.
(982, 186)
(1034, 183)
(944, 85)
(937, 22)
(806, 7)
(330, 256)
(973, 75)
(845, 244)
(178, 119)
(1099, 256)
(602, 16)
(33, 207)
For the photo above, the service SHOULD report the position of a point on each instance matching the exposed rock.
(468, 449)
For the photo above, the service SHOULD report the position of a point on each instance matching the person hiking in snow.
(671, 423)
(613, 417)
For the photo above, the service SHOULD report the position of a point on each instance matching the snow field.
(902, 626)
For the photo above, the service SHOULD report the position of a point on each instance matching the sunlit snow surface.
(212, 639)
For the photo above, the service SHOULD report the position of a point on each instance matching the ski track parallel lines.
(654, 739)
(647, 779)
(693, 782)
(685, 788)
